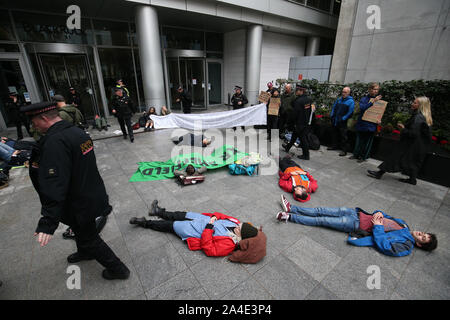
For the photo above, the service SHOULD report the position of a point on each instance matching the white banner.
(249, 116)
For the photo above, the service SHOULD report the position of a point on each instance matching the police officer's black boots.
(139, 221)
(77, 257)
(155, 210)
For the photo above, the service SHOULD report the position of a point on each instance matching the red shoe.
(285, 204)
(282, 216)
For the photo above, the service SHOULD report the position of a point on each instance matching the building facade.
(411, 41)
(206, 46)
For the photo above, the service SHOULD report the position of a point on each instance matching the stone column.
(253, 63)
(147, 32)
(312, 46)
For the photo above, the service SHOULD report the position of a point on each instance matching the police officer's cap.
(300, 86)
(13, 93)
(58, 98)
(117, 89)
(237, 87)
(37, 108)
(71, 88)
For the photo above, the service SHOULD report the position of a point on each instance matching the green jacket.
(286, 108)
(71, 114)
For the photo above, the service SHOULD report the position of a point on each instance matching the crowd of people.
(63, 170)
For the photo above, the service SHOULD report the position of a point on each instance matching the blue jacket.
(398, 243)
(342, 110)
(362, 125)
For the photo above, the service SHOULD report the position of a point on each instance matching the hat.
(248, 230)
(117, 89)
(37, 108)
(58, 98)
(300, 86)
(71, 88)
(13, 93)
(237, 87)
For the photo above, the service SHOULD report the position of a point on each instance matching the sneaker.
(282, 216)
(285, 204)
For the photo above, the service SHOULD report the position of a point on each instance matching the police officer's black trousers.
(302, 134)
(90, 244)
(126, 121)
(166, 225)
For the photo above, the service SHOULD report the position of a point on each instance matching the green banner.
(159, 170)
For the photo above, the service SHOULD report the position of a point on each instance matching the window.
(111, 33)
(214, 41)
(175, 38)
(337, 7)
(324, 5)
(6, 31)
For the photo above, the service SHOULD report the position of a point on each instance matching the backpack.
(72, 114)
(313, 141)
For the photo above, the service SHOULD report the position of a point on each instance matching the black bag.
(313, 141)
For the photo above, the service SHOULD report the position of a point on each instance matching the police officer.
(185, 99)
(120, 84)
(123, 109)
(239, 100)
(13, 107)
(73, 98)
(64, 173)
(302, 112)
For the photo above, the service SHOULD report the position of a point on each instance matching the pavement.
(302, 262)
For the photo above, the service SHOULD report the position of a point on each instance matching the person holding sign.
(273, 108)
(415, 141)
(365, 130)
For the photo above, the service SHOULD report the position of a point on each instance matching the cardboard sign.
(264, 97)
(274, 106)
(375, 112)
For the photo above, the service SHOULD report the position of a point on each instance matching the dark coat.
(415, 141)
(74, 99)
(124, 106)
(14, 113)
(238, 98)
(186, 100)
(302, 110)
(361, 125)
(64, 173)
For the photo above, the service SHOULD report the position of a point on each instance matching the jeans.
(6, 152)
(341, 219)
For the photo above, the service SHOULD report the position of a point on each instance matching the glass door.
(189, 73)
(60, 72)
(214, 83)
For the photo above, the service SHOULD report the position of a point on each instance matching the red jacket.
(217, 246)
(286, 184)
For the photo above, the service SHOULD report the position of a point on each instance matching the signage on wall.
(300, 76)
(26, 95)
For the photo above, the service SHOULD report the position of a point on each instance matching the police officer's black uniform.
(124, 110)
(235, 99)
(186, 101)
(17, 117)
(302, 112)
(64, 172)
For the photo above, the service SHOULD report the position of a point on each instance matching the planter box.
(436, 165)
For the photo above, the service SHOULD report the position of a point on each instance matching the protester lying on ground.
(100, 123)
(191, 139)
(18, 144)
(13, 156)
(391, 236)
(187, 175)
(296, 180)
(215, 233)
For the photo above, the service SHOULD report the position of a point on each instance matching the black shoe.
(68, 234)
(331, 148)
(77, 257)
(132, 140)
(413, 182)
(353, 157)
(100, 223)
(374, 174)
(303, 157)
(125, 137)
(155, 210)
(342, 154)
(122, 273)
(139, 221)
(361, 160)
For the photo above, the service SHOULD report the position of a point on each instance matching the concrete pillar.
(312, 46)
(147, 32)
(253, 63)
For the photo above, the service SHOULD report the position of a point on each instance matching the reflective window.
(337, 7)
(50, 28)
(6, 31)
(117, 64)
(214, 41)
(175, 38)
(324, 5)
(111, 33)
(6, 47)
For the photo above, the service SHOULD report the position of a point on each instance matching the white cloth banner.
(249, 116)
